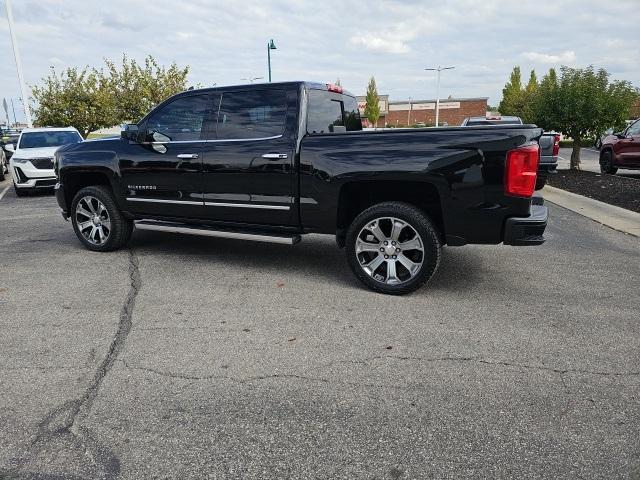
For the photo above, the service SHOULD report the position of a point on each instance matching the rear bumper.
(548, 164)
(522, 231)
(62, 199)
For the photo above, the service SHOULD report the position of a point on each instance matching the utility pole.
(409, 114)
(16, 54)
(439, 69)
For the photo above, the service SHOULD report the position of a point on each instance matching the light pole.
(270, 46)
(439, 69)
(16, 54)
(251, 79)
(409, 114)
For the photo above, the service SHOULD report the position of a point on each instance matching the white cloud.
(225, 40)
(568, 56)
(380, 44)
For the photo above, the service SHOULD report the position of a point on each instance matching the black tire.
(606, 163)
(3, 167)
(419, 224)
(541, 181)
(20, 192)
(120, 229)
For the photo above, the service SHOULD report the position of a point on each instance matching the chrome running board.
(159, 226)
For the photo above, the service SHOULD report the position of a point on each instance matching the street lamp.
(251, 79)
(439, 69)
(270, 46)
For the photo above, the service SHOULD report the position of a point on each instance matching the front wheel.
(97, 220)
(20, 192)
(606, 163)
(393, 248)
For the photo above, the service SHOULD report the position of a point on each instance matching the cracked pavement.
(186, 357)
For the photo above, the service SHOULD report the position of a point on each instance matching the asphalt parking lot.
(185, 357)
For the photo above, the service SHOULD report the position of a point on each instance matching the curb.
(614, 217)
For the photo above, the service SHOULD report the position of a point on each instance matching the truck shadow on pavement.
(317, 256)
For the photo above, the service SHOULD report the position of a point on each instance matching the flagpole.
(16, 54)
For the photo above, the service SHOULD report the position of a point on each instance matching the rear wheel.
(393, 248)
(97, 221)
(606, 163)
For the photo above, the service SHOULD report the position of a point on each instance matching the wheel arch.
(607, 148)
(355, 197)
(75, 180)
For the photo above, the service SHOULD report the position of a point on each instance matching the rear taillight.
(556, 145)
(520, 171)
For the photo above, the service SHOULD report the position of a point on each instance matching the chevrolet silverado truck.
(273, 162)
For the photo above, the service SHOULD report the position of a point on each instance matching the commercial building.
(410, 112)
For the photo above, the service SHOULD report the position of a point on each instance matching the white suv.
(32, 161)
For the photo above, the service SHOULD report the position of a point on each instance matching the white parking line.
(4, 191)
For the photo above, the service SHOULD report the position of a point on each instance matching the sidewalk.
(614, 217)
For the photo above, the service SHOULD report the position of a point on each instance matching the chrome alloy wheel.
(92, 219)
(390, 250)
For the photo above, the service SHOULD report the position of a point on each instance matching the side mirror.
(9, 147)
(130, 132)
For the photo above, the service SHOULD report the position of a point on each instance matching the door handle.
(187, 155)
(275, 156)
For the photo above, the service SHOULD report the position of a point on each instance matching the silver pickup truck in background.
(549, 144)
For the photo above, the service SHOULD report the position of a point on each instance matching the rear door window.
(252, 114)
(328, 110)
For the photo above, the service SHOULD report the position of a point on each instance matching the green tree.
(582, 104)
(76, 97)
(528, 96)
(372, 108)
(512, 95)
(89, 99)
(138, 88)
(544, 102)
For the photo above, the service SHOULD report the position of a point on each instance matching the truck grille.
(45, 163)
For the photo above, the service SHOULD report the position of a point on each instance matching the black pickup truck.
(275, 161)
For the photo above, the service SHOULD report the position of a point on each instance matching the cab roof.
(297, 83)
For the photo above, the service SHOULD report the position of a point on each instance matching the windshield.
(48, 139)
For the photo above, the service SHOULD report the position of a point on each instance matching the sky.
(393, 40)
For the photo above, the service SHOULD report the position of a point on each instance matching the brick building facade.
(402, 113)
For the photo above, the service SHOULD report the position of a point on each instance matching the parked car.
(621, 150)
(549, 151)
(32, 160)
(273, 162)
(4, 165)
(549, 144)
(9, 138)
